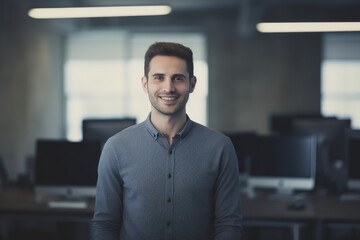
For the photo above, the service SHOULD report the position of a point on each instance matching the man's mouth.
(168, 98)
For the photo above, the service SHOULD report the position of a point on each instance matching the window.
(341, 77)
(103, 71)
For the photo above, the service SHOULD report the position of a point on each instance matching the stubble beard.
(171, 112)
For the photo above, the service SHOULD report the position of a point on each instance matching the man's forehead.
(167, 62)
(166, 58)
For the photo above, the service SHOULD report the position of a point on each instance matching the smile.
(168, 98)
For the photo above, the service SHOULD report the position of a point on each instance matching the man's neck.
(168, 125)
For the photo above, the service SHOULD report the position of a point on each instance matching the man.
(168, 177)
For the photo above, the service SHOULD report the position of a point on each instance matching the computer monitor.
(102, 129)
(331, 152)
(243, 143)
(284, 163)
(281, 123)
(353, 159)
(66, 169)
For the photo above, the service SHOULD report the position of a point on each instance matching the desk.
(331, 208)
(264, 212)
(333, 213)
(320, 214)
(19, 201)
(18, 205)
(263, 208)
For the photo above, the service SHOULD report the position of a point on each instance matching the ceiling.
(206, 5)
(243, 12)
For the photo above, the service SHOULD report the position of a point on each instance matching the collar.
(155, 133)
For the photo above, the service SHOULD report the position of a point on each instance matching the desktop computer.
(66, 171)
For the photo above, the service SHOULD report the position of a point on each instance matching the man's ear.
(144, 83)
(192, 84)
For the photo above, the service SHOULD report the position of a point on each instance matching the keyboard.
(350, 197)
(68, 204)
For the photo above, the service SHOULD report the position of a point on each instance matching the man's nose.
(169, 85)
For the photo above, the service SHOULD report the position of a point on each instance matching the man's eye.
(158, 77)
(178, 78)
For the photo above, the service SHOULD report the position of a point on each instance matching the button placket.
(169, 203)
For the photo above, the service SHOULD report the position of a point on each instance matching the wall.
(250, 77)
(30, 89)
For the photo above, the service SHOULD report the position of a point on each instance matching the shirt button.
(168, 223)
(170, 151)
(169, 200)
(169, 175)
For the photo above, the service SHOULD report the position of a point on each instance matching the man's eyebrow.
(174, 75)
(178, 75)
(158, 74)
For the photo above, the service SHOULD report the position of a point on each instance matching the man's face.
(168, 85)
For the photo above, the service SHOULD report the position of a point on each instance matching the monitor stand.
(248, 191)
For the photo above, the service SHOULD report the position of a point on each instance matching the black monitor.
(284, 163)
(244, 145)
(281, 123)
(66, 169)
(102, 129)
(331, 152)
(353, 159)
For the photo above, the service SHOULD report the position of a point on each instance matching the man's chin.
(169, 112)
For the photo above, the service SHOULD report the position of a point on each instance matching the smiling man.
(168, 177)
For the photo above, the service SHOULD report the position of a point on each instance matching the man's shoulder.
(129, 132)
(210, 133)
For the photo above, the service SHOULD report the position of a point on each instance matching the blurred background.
(53, 72)
(56, 72)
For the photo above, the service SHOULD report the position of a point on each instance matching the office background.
(251, 75)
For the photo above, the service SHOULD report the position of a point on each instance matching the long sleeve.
(107, 218)
(228, 215)
(145, 191)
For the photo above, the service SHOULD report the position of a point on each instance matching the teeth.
(168, 98)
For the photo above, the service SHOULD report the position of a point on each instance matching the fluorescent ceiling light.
(88, 12)
(288, 27)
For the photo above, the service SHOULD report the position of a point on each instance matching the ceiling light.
(289, 27)
(88, 12)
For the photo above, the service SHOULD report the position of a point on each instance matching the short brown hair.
(169, 49)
